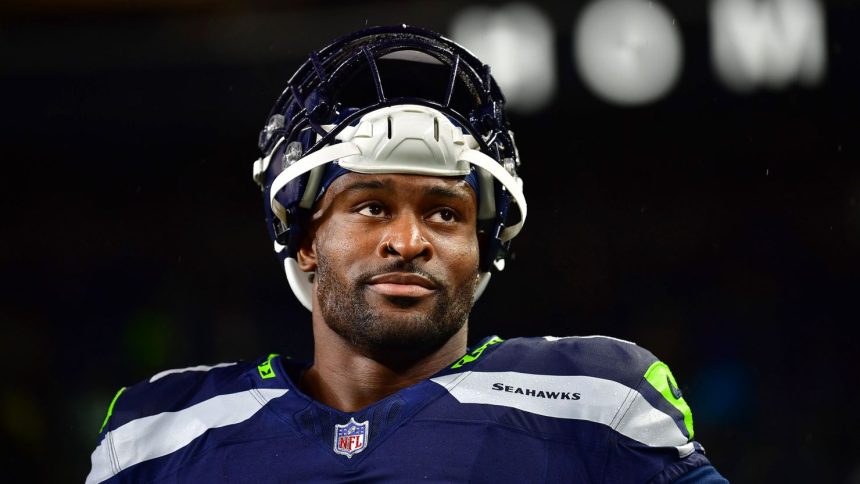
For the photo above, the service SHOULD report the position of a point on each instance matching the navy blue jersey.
(578, 409)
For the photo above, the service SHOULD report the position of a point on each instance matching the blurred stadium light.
(519, 42)
(627, 52)
(768, 43)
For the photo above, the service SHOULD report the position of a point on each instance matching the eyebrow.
(365, 185)
(446, 192)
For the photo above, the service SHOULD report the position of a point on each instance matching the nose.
(405, 239)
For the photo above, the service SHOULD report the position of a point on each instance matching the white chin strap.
(403, 139)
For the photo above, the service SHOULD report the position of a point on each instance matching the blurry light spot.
(147, 340)
(627, 51)
(517, 40)
(722, 393)
(20, 419)
(768, 43)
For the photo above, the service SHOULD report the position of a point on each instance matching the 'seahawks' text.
(536, 393)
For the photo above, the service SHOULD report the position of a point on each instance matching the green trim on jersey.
(476, 353)
(110, 408)
(265, 368)
(661, 378)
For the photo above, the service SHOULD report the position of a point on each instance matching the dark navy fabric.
(702, 475)
(601, 357)
(421, 433)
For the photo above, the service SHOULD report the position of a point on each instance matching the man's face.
(396, 258)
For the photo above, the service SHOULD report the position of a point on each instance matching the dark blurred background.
(692, 176)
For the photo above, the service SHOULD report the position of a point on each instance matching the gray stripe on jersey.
(601, 401)
(158, 435)
(559, 338)
(164, 373)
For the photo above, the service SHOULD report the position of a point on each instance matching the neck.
(345, 378)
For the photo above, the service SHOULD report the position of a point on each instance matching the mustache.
(407, 267)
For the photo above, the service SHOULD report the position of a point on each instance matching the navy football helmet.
(393, 99)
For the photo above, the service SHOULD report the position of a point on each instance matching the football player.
(390, 186)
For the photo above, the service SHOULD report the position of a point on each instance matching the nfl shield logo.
(351, 438)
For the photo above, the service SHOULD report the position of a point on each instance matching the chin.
(401, 326)
(392, 327)
(415, 341)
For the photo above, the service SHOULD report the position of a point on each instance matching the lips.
(402, 284)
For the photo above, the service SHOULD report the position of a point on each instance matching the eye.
(372, 210)
(445, 215)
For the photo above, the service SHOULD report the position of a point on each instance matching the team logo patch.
(351, 438)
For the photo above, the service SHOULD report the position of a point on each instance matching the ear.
(306, 256)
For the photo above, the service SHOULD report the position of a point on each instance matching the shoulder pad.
(595, 356)
(172, 390)
(599, 357)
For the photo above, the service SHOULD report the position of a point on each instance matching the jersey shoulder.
(595, 389)
(594, 356)
(602, 358)
(629, 388)
(176, 389)
(161, 415)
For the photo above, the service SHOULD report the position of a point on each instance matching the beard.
(375, 331)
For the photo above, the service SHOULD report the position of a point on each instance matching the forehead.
(400, 185)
